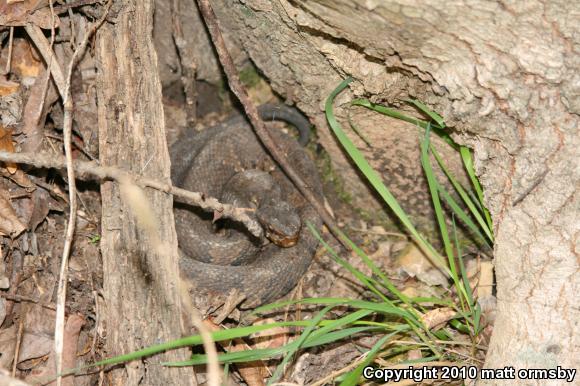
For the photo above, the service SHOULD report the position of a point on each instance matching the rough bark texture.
(505, 76)
(140, 287)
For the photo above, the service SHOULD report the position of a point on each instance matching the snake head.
(281, 223)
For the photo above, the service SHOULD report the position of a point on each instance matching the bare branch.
(91, 171)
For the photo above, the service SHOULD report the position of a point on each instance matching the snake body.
(228, 161)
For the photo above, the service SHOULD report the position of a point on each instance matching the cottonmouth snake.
(227, 161)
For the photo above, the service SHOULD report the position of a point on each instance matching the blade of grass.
(463, 216)
(464, 196)
(364, 279)
(358, 132)
(375, 180)
(468, 163)
(290, 354)
(352, 378)
(432, 114)
(263, 354)
(369, 263)
(403, 117)
(473, 305)
(432, 183)
(382, 308)
(193, 340)
(393, 113)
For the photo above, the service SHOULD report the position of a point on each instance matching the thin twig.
(186, 60)
(18, 344)
(70, 229)
(252, 113)
(9, 59)
(91, 171)
(21, 298)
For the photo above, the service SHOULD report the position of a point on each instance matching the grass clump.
(389, 314)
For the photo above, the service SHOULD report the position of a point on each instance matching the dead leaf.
(416, 264)
(41, 206)
(25, 62)
(414, 355)
(34, 345)
(7, 345)
(437, 318)
(20, 178)
(7, 145)
(10, 224)
(7, 87)
(18, 14)
(72, 330)
(272, 338)
(484, 285)
(34, 113)
(37, 338)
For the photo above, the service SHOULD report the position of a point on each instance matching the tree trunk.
(140, 286)
(505, 77)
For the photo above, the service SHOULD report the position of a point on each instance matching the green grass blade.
(403, 117)
(374, 179)
(393, 113)
(432, 183)
(226, 373)
(468, 163)
(464, 196)
(364, 279)
(358, 132)
(290, 354)
(434, 192)
(473, 305)
(463, 216)
(382, 308)
(360, 276)
(264, 354)
(369, 263)
(432, 114)
(194, 340)
(352, 378)
(339, 323)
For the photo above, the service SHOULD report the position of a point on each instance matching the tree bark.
(505, 77)
(140, 278)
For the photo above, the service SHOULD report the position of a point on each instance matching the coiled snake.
(227, 161)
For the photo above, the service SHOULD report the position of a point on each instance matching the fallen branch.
(91, 171)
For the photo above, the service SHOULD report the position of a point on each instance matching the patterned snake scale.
(220, 259)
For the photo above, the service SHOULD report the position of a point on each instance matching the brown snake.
(227, 161)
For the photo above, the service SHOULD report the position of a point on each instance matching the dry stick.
(44, 47)
(9, 58)
(252, 113)
(19, 335)
(187, 62)
(89, 170)
(63, 85)
(21, 298)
